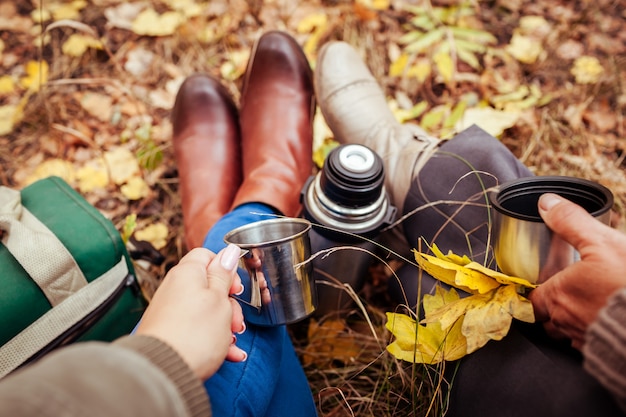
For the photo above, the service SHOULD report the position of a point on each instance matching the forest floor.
(86, 89)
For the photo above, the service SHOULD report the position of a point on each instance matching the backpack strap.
(59, 320)
(38, 250)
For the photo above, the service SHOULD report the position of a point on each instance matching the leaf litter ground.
(546, 76)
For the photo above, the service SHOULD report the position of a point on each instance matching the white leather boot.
(356, 111)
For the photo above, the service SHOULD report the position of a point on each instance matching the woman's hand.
(192, 310)
(570, 300)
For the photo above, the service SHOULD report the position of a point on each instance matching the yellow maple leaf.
(484, 317)
(36, 75)
(433, 302)
(155, 233)
(456, 275)
(469, 276)
(150, 23)
(450, 256)
(485, 322)
(499, 276)
(428, 344)
(491, 319)
(76, 45)
(452, 309)
(455, 325)
(518, 306)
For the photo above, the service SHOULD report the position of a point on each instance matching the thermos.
(347, 204)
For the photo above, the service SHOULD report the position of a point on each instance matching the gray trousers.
(527, 373)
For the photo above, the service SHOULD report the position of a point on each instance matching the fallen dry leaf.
(36, 75)
(456, 275)
(570, 49)
(524, 48)
(11, 21)
(445, 65)
(150, 23)
(135, 189)
(123, 15)
(7, 118)
(454, 326)
(329, 339)
(53, 167)
(122, 165)
(138, 61)
(189, 8)
(535, 26)
(493, 121)
(492, 318)
(98, 105)
(428, 344)
(91, 177)
(602, 120)
(155, 233)
(77, 44)
(236, 64)
(587, 70)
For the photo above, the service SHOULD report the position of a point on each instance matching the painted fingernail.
(233, 340)
(245, 356)
(243, 328)
(230, 257)
(241, 290)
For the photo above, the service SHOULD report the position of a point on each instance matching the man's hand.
(570, 300)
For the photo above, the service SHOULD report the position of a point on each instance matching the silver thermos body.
(347, 204)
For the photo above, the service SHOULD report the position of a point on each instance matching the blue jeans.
(271, 382)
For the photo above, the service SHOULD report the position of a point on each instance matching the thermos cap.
(356, 158)
(348, 194)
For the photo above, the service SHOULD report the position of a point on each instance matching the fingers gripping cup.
(276, 258)
(523, 245)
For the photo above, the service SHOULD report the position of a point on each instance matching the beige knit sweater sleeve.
(134, 376)
(605, 347)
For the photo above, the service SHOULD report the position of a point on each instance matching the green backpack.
(65, 274)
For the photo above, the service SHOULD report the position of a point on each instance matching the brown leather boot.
(276, 117)
(208, 154)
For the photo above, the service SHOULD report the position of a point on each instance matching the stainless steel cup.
(276, 259)
(523, 245)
